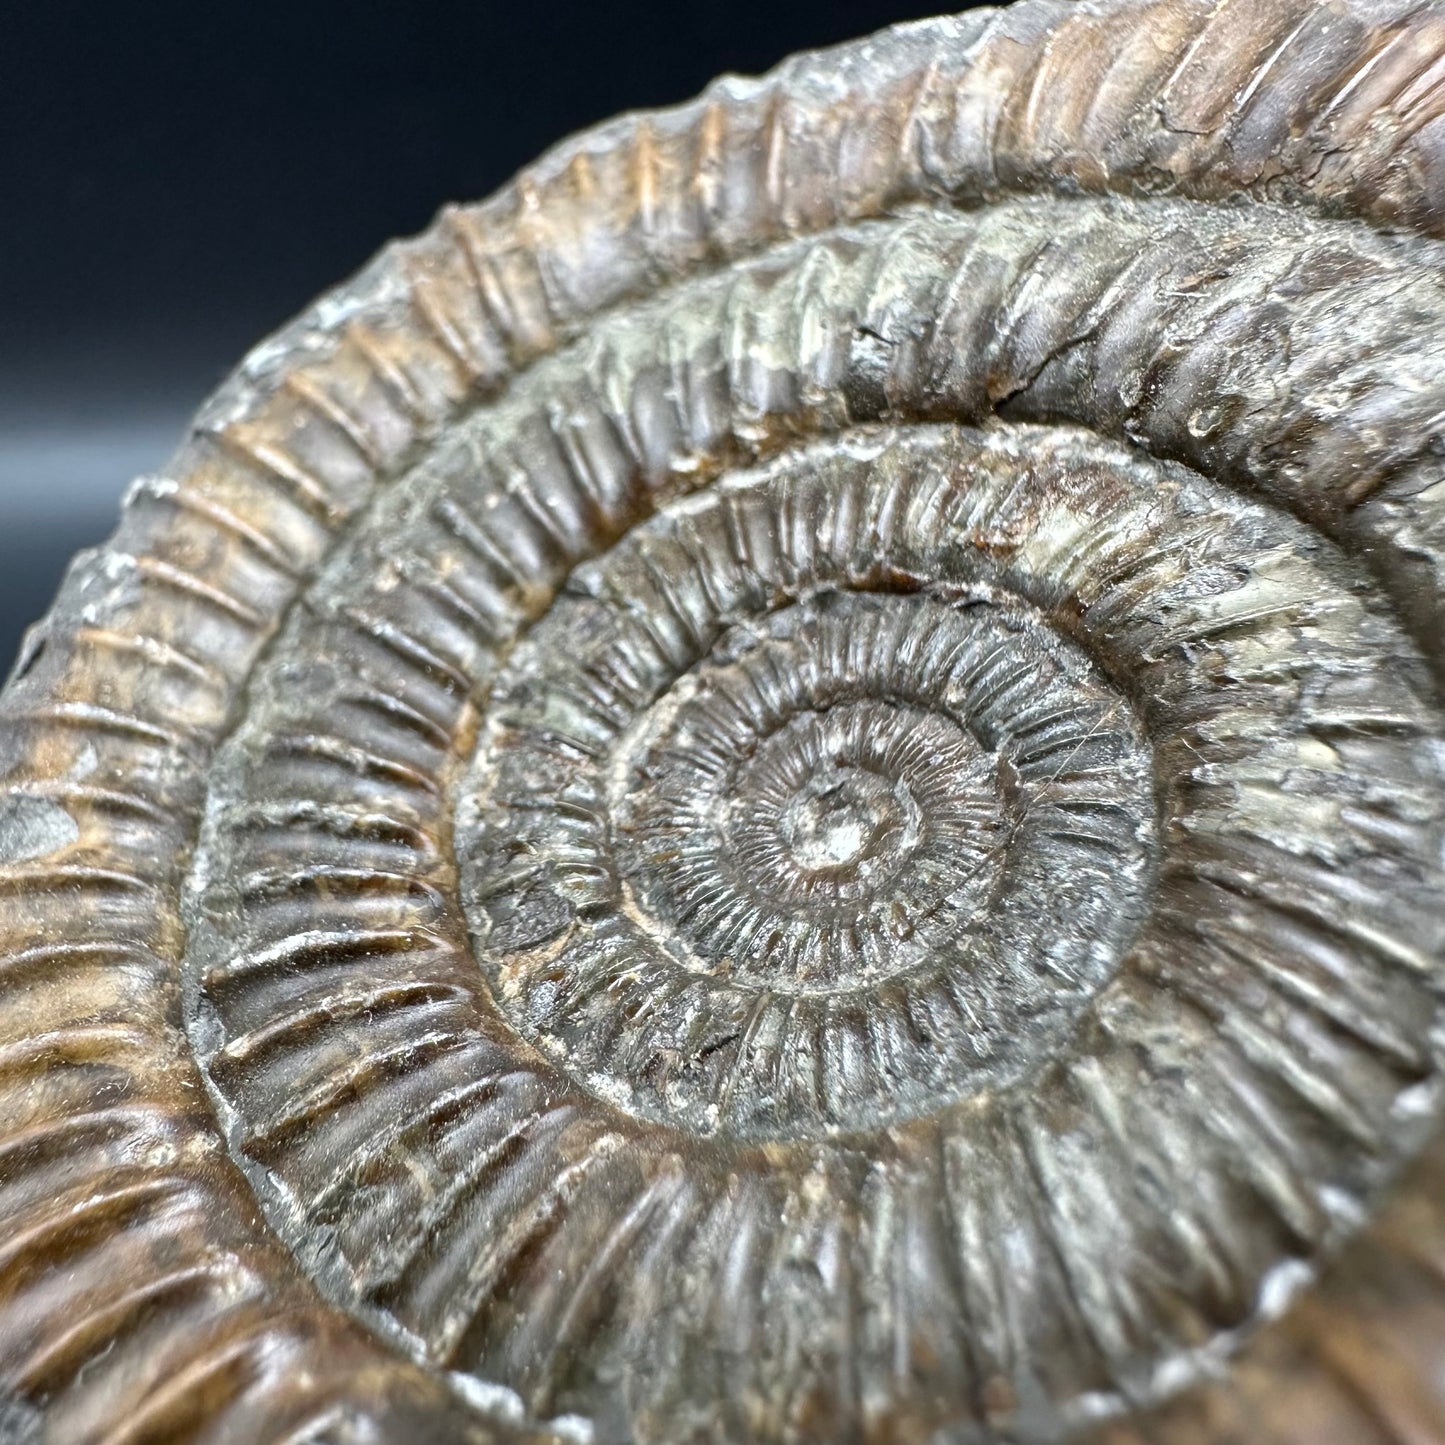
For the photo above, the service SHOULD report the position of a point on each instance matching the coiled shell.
(785, 785)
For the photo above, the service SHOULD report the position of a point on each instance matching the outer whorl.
(784, 785)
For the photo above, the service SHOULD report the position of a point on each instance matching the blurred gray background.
(179, 179)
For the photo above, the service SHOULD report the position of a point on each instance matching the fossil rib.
(787, 784)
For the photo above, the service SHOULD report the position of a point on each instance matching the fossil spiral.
(787, 784)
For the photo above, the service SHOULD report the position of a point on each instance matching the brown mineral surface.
(784, 785)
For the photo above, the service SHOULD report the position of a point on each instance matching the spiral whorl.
(785, 785)
(800, 836)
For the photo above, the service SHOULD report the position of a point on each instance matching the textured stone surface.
(787, 784)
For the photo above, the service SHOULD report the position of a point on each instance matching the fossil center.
(845, 818)
(712, 848)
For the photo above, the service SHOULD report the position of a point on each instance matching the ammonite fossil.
(787, 784)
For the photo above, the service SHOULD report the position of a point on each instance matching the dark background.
(178, 179)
